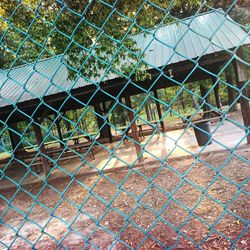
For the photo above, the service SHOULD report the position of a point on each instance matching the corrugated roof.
(190, 38)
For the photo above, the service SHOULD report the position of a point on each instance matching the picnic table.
(76, 138)
(81, 147)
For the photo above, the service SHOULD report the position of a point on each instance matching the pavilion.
(197, 48)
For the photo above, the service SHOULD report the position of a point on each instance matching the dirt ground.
(202, 200)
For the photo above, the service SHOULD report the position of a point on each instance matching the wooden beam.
(241, 77)
(41, 147)
(159, 110)
(135, 134)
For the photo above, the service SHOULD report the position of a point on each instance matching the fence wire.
(101, 106)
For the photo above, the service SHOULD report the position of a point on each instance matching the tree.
(93, 35)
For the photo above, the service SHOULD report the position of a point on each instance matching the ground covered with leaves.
(197, 200)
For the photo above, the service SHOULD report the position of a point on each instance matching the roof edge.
(219, 10)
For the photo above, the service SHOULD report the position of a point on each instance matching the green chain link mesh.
(99, 101)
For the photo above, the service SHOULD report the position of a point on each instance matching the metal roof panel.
(188, 39)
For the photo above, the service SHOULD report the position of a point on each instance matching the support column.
(105, 131)
(216, 93)
(134, 128)
(206, 98)
(159, 110)
(230, 91)
(39, 138)
(59, 132)
(241, 78)
(16, 140)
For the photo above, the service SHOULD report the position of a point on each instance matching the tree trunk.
(230, 91)
(182, 101)
(147, 112)
(104, 128)
(205, 102)
(152, 112)
(195, 105)
(1, 58)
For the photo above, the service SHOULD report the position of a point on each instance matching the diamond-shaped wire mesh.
(124, 124)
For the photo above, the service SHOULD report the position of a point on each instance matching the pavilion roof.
(188, 39)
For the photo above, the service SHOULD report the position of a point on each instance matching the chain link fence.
(124, 124)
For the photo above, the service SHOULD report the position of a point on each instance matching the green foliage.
(94, 38)
(89, 33)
